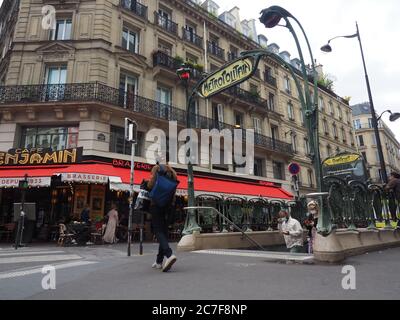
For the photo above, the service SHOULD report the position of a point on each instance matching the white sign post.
(131, 136)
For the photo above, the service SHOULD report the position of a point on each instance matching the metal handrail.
(230, 222)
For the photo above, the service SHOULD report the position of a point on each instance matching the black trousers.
(160, 229)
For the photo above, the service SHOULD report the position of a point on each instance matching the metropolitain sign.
(233, 74)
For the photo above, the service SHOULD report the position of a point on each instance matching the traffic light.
(23, 184)
(183, 73)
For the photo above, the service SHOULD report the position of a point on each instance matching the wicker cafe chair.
(65, 237)
(207, 219)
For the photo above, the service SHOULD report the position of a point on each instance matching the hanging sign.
(84, 178)
(233, 74)
(32, 182)
(341, 160)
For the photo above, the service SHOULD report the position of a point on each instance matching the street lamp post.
(190, 223)
(271, 18)
(328, 48)
(393, 116)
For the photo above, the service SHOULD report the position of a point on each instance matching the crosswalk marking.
(39, 258)
(15, 253)
(17, 274)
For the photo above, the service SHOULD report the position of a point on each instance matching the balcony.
(166, 24)
(98, 92)
(248, 96)
(135, 7)
(270, 79)
(192, 38)
(215, 50)
(164, 60)
(232, 56)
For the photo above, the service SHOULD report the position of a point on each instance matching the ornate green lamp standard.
(271, 17)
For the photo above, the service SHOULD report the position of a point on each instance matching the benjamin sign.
(233, 74)
(28, 157)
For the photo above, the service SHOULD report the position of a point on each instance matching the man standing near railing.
(292, 231)
(394, 185)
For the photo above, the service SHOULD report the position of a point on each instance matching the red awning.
(202, 184)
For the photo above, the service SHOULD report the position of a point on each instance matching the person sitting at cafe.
(85, 214)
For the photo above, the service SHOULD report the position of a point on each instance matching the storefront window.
(118, 144)
(56, 138)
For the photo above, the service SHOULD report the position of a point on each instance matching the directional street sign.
(130, 130)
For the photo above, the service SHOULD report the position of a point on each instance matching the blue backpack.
(163, 189)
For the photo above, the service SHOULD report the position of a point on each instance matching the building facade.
(72, 86)
(366, 142)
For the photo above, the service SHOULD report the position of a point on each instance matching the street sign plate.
(294, 168)
(130, 130)
(232, 74)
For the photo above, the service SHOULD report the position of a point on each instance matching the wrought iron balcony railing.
(193, 38)
(94, 91)
(135, 7)
(232, 56)
(166, 24)
(250, 97)
(215, 50)
(164, 60)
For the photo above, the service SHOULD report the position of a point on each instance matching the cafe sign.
(232, 74)
(32, 182)
(40, 156)
(84, 178)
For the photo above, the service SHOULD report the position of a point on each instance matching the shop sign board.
(33, 182)
(40, 156)
(84, 178)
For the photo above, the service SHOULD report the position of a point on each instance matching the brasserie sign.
(233, 74)
(40, 156)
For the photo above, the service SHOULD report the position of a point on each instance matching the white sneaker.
(156, 265)
(169, 263)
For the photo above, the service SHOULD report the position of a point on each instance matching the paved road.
(105, 272)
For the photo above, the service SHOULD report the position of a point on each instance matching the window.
(351, 138)
(328, 150)
(257, 126)
(290, 111)
(55, 138)
(360, 139)
(164, 97)
(128, 89)
(306, 146)
(278, 170)
(310, 178)
(325, 126)
(335, 132)
(357, 124)
(271, 102)
(370, 123)
(62, 31)
(294, 143)
(55, 78)
(331, 111)
(165, 47)
(238, 120)
(118, 144)
(302, 117)
(233, 54)
(218, 113)
(374, 139)
(287, 85)
(321, 104)
(259, 167)
(130, 40)
(274, 133)
(344, 135)
(340, 113)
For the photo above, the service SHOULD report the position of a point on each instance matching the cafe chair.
(64, 237)
(96, 234)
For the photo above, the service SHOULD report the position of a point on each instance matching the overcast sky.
(379, 27)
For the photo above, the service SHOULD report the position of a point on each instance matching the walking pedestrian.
(162, 186)
(292, 232)
(109, 234)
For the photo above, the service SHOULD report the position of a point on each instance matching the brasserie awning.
(119, 180)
